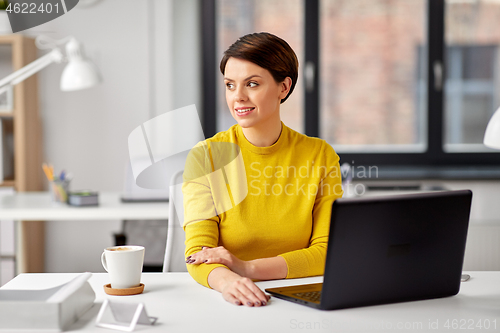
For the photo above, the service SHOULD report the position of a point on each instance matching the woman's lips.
(243, 111)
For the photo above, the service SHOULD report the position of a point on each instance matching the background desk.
(37, 206)
(182, 305)
(34, 206)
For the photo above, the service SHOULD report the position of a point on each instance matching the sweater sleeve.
(311, 260)
(201, 222)
(199, 234)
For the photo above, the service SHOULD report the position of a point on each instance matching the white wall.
(482, 251)
(85, 132)
(187, 54)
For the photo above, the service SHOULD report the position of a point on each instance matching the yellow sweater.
(290, 187)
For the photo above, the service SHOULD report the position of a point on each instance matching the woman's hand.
(236, 289)
(220, 255)
(242, 291)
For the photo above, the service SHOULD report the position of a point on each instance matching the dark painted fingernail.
(205, 260)
(257, 303)
(191, 261)
(263, 303)
(237, 303)
(188, 258)
(249, 303)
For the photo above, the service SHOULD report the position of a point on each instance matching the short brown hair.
(267, 51)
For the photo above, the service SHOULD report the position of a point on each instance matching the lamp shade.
(79, 73)
(492, 134)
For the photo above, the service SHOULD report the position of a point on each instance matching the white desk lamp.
(80, 73)
(492, 134)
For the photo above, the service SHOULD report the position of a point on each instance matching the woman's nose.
(240, 95)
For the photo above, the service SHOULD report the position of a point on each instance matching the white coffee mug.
(124, 265)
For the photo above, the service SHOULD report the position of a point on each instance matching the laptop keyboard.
(313, 296)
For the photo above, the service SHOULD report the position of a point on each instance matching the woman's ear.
(285, 87)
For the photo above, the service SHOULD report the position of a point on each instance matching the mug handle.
(103, 261)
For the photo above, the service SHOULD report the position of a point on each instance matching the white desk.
(184, 306)
(36, 206)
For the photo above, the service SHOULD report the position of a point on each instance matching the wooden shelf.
(26, 126)
(6, 114)
(11, 39)
(8, 183)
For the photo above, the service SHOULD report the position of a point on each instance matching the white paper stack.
(49, 309)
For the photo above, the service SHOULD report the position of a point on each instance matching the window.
(401, 83)
(470, 96)
(472, 81)
(370, 75)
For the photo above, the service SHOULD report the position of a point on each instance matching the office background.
(135, 46)
(150, 56)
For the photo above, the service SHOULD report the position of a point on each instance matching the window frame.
(433, 157)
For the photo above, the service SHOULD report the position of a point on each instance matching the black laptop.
(390, 249)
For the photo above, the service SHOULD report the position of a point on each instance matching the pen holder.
(59, 190)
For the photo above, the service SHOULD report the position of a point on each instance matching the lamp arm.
(33, 67)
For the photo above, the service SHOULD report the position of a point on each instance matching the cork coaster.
(123, 292)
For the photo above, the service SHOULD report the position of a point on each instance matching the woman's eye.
(229, 85)
(252, 84)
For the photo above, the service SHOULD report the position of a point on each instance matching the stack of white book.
(47, 309)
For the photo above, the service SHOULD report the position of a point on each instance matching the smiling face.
(252, 94)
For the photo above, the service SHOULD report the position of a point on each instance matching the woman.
(280, 229)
